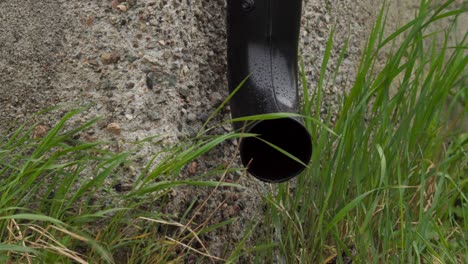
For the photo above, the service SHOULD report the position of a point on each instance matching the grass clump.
(391, 187)
(57, 203)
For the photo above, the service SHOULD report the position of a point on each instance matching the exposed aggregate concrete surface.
(154, 67)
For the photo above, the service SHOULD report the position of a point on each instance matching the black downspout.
(263, 38)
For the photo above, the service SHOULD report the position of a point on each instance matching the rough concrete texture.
(155, 67)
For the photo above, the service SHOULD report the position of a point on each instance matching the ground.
(157, 67)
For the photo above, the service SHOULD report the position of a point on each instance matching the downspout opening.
(267, 163)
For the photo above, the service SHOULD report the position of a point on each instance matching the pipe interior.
(267, 163)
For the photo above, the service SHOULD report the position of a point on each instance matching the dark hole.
(267, 163)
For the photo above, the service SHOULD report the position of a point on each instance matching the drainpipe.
(263, 40)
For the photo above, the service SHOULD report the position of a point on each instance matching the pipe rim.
(272, 165)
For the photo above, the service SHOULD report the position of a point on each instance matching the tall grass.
(57, 204)
(391, 187)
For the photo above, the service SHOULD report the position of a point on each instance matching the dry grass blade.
(181, 226)
(212, 258)
(73, 235)
(59, 251)
(50, 243)
(13, 227)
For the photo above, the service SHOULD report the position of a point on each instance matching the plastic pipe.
(263, 40)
